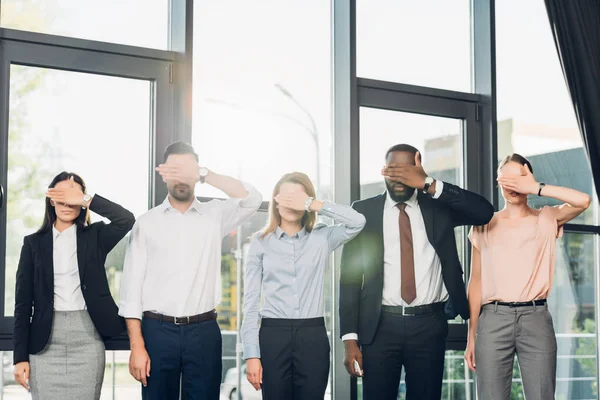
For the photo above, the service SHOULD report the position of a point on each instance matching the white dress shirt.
(428, 268)
(173, 262)
(67, 285)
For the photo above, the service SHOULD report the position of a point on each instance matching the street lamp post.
(313, 130)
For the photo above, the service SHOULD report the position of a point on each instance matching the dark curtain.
(576, 29)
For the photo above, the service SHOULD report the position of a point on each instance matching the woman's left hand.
(71, 195)
(292, 200)
(524, 184)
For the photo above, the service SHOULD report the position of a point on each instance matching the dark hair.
(403, 147)
(180, 148)
(514, 157)
(50, 216)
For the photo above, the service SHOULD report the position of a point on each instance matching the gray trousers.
(71, 366)
(502, 332)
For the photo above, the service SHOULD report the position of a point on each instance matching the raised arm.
(237, 210)
(348, 222)
(467, 208)
(251, 308)
(121, 220)
(575, 202)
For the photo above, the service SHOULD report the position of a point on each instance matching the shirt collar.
(166, 205)
(279, 233)
(69, 232)
(412, 202)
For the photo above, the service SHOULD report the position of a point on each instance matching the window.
(262, 104)
(425, 43)
(438, 139)
(535, 113)
(536, 119)
(107, 20)
(76, 133)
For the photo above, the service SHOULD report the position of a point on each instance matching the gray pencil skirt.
(71, 366)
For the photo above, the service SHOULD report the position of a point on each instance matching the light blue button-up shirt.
(290, 271)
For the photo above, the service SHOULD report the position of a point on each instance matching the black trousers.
(295, 358)
(417, 343)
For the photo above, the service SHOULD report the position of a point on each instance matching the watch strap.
(540, 189)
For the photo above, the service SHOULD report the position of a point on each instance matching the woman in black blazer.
(63, 305)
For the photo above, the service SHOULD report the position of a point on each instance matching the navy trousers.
(190, 354)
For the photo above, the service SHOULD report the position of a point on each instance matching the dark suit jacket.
(34, 294)
(361, 282)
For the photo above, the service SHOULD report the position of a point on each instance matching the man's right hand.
(254, 372)
(21, 372)
(353, 353)
(139, 364)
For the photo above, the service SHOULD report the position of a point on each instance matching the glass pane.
(262, 103)
(93, 124)
(143, 23)
(438, 139)
(457, 384)
(535, 113)
(425, 43)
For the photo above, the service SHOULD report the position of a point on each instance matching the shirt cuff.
(251, 351)
(254, 197)
(439, 188)
(350, 336)
(130, 311)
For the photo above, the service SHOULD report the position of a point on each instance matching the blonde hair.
(308, 220)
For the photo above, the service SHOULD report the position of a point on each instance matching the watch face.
(203, 171)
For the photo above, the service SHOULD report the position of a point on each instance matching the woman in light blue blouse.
(288, 355)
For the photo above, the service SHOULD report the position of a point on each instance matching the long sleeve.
(351, 277)
(23, 304)
(134, 272)
(237, 211)
(252, 292)
(121, 222)
(468, 208)
(349, 223)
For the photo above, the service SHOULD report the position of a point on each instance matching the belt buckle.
(405, 314)
(186, 319)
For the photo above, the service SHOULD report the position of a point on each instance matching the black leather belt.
(417, 310)
(194, 319)
(521, 303)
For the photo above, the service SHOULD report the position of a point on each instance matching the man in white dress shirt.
(172, 280)
(401, 278)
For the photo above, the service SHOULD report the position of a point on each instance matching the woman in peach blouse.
(512, 267)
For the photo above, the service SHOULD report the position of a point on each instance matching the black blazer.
(34, 294)
(361, 281)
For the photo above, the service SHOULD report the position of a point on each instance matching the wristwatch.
(307, 203)
(428, 182)
(542, 184)
(203, 174)
(86, 199)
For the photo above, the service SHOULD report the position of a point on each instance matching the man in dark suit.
(401, 279)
